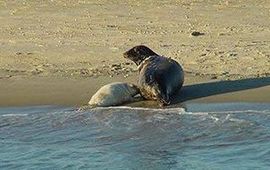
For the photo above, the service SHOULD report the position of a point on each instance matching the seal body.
(114, 94)
(159, 77)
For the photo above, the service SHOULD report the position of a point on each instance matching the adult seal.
(159, 77)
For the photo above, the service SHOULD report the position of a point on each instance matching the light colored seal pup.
(114, 94)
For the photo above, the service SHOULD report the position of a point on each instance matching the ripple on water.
(226, 137)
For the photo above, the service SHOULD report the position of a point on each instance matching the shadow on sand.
(196, 91)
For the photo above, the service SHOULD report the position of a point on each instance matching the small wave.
(119, 108)
(239, 111)
(195, 113)
(14, 115)
(142, 108)
(183, 110)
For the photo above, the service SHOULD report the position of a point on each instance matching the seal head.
(139, 53)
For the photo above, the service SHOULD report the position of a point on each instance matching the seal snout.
(125, 55)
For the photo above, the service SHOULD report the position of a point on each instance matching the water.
(201, 136)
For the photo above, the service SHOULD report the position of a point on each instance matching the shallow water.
(201, 136)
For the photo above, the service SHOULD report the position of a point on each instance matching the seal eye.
(136, 51)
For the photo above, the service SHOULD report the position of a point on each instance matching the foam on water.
(199, 136)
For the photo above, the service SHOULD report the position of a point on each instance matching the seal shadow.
(201, 90)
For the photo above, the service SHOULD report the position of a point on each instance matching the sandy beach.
(60, 53)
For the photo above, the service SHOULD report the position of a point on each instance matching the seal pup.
(114, 94)
(159, 77)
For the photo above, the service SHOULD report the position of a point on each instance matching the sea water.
(199, 136)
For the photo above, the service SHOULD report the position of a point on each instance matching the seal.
(114, 94)
(159, 77)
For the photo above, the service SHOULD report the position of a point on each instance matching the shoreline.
(31, 91)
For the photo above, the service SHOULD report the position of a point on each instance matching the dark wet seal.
(159, 77)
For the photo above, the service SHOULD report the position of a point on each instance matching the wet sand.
(58, 52)
(77, 92)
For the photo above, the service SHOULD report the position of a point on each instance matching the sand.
(60, 52)
(77, 92)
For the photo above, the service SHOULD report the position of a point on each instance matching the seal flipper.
(85, 107)
(164, 99)
(138, 95)
(162, 92)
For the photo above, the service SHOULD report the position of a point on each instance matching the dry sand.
(60, 52)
